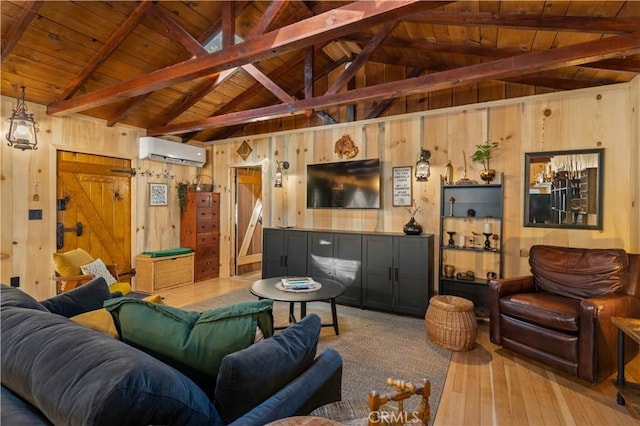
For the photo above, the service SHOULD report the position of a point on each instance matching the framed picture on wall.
(402, 186)
(158, 194)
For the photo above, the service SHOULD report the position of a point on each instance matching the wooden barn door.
(248, 220)
(94, 207)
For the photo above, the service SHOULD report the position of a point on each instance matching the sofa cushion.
(69, 263)
(579, 273)
(97, 268)
(11, 296)
(16, 411)
(192, 342)
(102, 321)
(252, 375)
(85, 298)
(76, 376)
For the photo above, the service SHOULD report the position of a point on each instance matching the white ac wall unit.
(171, 152)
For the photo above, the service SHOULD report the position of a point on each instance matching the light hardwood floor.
(490, 385)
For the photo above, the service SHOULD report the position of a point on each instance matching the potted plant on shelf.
(483, 155)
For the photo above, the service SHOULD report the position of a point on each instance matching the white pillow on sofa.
(97, 268)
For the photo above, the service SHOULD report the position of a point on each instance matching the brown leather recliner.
(561, 314)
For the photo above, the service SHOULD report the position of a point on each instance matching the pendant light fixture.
(22, 130)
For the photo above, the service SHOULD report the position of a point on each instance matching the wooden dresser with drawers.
(200, 231)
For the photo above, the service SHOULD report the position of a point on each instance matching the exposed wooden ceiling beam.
(279, 73)
(18, 28)
(128, 105)
(379, 107)
(107, 49)
(277, 91)
(362, 57)
(192, 98)
(165, 25)
(601, 49)
(595, 24)
(228, 21)
(315, 30)
(309, 61)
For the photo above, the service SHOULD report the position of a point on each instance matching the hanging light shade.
(423, 169)
(278, 177)
(22, 130)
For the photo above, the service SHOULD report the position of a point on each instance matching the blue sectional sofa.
(56, 371)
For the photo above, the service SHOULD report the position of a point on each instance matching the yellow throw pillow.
(69, 263)
(102, 321)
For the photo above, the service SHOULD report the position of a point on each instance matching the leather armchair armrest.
(501, 288)
(598, 335)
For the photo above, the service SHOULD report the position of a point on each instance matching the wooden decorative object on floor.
(403, 390)
(451, 323)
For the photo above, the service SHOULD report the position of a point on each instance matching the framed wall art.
(402, 186)
(158, 194)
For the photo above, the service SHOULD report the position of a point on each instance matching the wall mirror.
(563, 189)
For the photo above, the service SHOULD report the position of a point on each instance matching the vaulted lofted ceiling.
(208, 70)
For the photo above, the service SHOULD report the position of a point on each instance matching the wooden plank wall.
(26, 245)
(608, 117)
(591, 118)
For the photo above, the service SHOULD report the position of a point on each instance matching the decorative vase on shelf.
(487, 175)
(448, 173)
(412, 227)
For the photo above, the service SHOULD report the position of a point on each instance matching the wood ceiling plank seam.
(301, 34)
(596, 24)
(105, 51)
(18, 28)
(78, 20)
(501, 68)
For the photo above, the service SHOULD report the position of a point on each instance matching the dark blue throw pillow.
(87, 297)
(11, 296)
(248, 377)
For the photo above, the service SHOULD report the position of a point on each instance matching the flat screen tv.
(344, 185)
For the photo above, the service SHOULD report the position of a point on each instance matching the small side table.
(628, 393)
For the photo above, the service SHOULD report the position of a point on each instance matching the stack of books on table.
(298, 283)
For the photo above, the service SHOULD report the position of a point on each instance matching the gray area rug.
(374, 346)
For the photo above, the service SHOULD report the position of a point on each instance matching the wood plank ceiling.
(286, 64)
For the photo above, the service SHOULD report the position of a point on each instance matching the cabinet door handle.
(285, 260)
(396, 274)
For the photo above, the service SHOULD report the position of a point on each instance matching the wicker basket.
(451, 323)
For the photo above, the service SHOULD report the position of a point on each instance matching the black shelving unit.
(474, 208)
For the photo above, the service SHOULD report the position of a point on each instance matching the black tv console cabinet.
(383, 271)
